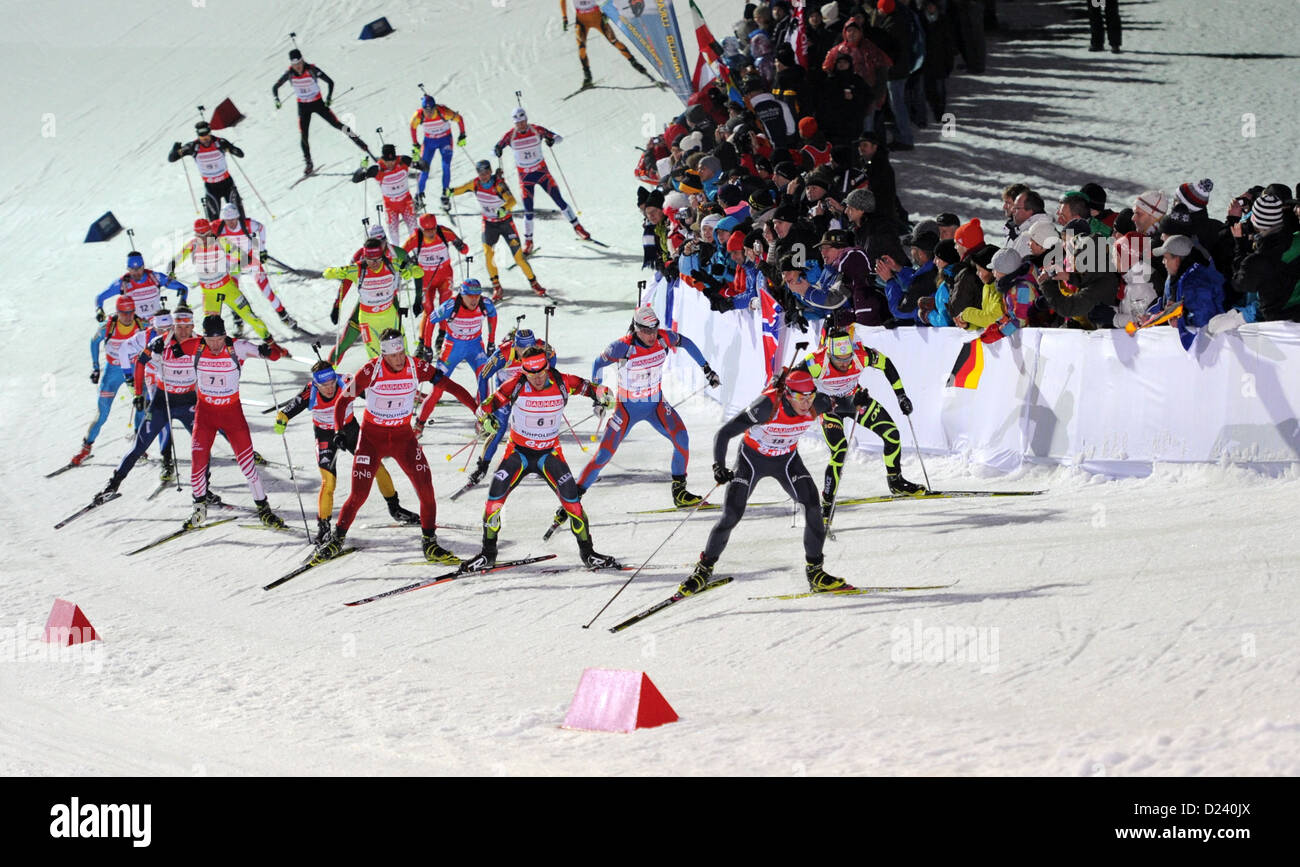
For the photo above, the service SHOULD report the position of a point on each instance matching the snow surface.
(1137, 627)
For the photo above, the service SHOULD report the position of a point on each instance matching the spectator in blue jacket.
(1193, 281)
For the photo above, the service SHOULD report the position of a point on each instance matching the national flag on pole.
(771, 311)
(970, 365)
(711, 51)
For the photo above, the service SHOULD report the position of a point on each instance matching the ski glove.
(418, 307)
(711, 375)
(138, 402)
(497, 150)
(99, 315)
(904, 403)
(157, 345)
(281, 421)
(262, 256)
(566, 25)
(94, 376)
(266, 347)
(461, 140)
(721, 474)
(334, 314)
(277, 102)
(489, 425)
(604, 398)
(415, 151)
(503, 212)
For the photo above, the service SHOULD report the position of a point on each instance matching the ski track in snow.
(1141, 627)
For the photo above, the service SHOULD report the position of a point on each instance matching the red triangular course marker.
(610, 700)
(68, 625)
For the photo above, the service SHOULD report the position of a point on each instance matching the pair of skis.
(719, 582)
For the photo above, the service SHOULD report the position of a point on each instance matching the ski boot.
(258, 460)
(288, 320)
(528, 248)
(211, 499)
(198, 516)
(582, 233)
(821, 582)
(497, 292)
(435, 553)
(586, 75)
(82, 454)
(331, 547)
(901, 486)
(561, 515)
(442, 336)
(322, 531)
(828, 506)
(683, 498)
(446, 200)
(267, 517)
(309, 168)
(419, 203)
(482, 561)
(168, 473)
(402, 516)
(537, 287)
(480, 470)
(110, 488)
(595, 560)
(637, 66)
(702, 575)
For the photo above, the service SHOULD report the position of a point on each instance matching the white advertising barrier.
(1102, 400)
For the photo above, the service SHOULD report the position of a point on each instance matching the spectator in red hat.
(814, 151)
(969, 236)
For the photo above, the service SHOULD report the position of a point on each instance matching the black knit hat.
(213, 326)
(1096, 195)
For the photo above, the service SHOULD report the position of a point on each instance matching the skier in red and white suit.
(390, 172)
(390, 384)
(217, 363)
(525, 139)
(430, 247)
(248, 237)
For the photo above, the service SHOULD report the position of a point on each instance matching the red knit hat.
(735, 242)
(970, 234)
(886, 6)
(807, 127)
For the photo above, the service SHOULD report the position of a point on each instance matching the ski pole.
(560, 169)
(693, 510)
(270, 381)
(919, 459)
(194, 201)
(472, 452)
(167, 404)
(473, 440)
(253, 188)
(848, 450)
(574, 432)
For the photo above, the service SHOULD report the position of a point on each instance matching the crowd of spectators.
(777, 179)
